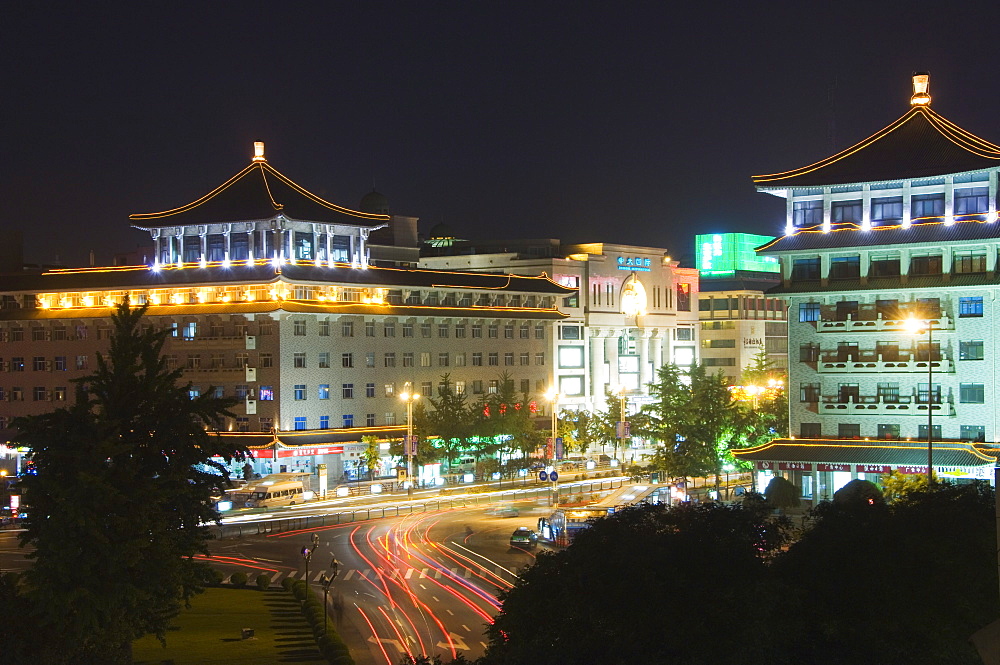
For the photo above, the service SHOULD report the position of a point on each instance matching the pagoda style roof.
(920, 144)
(258, 192)
(968, 228)
(262, 271)
(850, 451)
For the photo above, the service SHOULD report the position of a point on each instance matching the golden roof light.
(921, 82)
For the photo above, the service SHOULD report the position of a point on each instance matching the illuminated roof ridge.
(244, 198)
(919, 144)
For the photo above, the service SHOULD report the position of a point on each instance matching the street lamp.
(917, 327)
(553, 398)
(409, 398)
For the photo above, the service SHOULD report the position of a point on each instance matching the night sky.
(634, 123)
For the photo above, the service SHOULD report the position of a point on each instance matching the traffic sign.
(543, 476)
(559, 447)
(623, 429)
(553, 476)
(549, 448)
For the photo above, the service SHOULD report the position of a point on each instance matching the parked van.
(274, 491)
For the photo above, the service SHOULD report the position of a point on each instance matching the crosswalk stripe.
(409, 571)
(423, 572)
(350, 574)
(318, 576)
(274, 578)
(468, 573)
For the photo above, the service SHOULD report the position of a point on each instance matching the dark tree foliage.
(860, 493)
(906, 583)
(650, 584)
(115, 512)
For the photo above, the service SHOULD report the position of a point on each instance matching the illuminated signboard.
(721, 254)
(634, 263)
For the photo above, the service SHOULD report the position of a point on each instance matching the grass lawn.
(209, 632)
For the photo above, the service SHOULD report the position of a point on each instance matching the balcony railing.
(852, 324)
(877, 364)
(871, 405)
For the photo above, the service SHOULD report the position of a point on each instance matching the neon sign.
(634, 263)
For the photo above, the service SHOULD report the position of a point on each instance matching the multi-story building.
(900, 226)
(632, 310)
(738, 320)
(270, 296)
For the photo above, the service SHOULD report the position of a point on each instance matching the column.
(992, 212)
(657, 350)
(827, 209)
(645, 376)
(789, 214)
(907, 196)
(227, 232)
(252, 243)
(596, 366)
(179, 241)
(203, 241)
(866, 207)
(949, 200)
(611, 351)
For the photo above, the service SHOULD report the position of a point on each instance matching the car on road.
(524, 537)
(503, 511)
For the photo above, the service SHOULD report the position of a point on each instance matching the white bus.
(274, 491)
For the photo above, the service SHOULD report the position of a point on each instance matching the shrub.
(213, 577)
(239, 578)
(263, 581)
(781, 493)
(287, 583)
(299, 590)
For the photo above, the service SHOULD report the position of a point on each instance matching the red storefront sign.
(912, 469)
(833, 467)
(874, 468)
(795, 466)
(312, 450)
(765, 466)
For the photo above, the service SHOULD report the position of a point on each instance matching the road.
(418, 584)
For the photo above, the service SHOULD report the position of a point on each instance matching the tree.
(896, 485)
(710, 417)
(505, 424)
(371, 455)
(569, 607)
(781, 493)
(450, 421)
(858, 493)
(576, 429)
(122, 491)
(664, 423)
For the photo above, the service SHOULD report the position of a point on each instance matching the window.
(477, 359)
(298, 327)
(845, 267)
(242, 391)
(266, 423)
(972, 393)
(848, 431)
(888, 393)
(370, 359)
(324, 360)
(494, 387)
(684, 334)
(806, 268)
(425, 330)
(887, 351)
(389, 329)
(972, 201)
(324, 422)
(809, 392)
(38, 363)
(299, 360)
(720, 362)
(219, 392)
(390, 360)
(848, 393)
(493, 331)
(390, 418)
(194, 392)
(38, 394)
(808, 311)
(925, 265)
(407, 330)
(887, 210)
(460, 330)
(442, 360)
(390, 389)
(459, 360)
(846, 212)
(38, 334)
(369, 390)
(300, 391)
(540, 358)
(524, 331)
(810, 430)
(809, 353)
(718, 343)
(369, 420)
(60, 363)
(442, 330)
(266, 360)
(884, 266)
(968, 263)
(347, 328)
(888, 431)
(972, 432)
(17, 363)
(408, 359)
(525, 358)
(300, 422)
(347, 391)
(324, 328)
(807, 213)
(970, 350)
(570, 332)
(324, 391)
(926, 205)
(508, 331)
(425, 359)
(17, 334)
(684, 297)
(494, 359)
(922, 393)
(460, 387)
(369, 328)
(508, 359)
(922, 432)
(193, 361)
(477, 330)
(242, 359)
(969, 307)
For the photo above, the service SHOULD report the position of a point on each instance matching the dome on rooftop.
(374, 202)
(441, 230)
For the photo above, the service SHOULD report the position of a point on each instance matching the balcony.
(879, 324)
(871, 405)
(861, 365)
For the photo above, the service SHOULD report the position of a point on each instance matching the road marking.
(450, 612)
(422, 586)
(409, 571)
(467, 629)
(274, 578)
(468, 573)
(349, 574)
(435, 599)
(423, 573)
(454, 642)
(394, 643)
(484, 645)
(318, 576)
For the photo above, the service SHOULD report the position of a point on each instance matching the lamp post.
(553, 398)
(409, 398)
(307, 555)
(919, 327)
